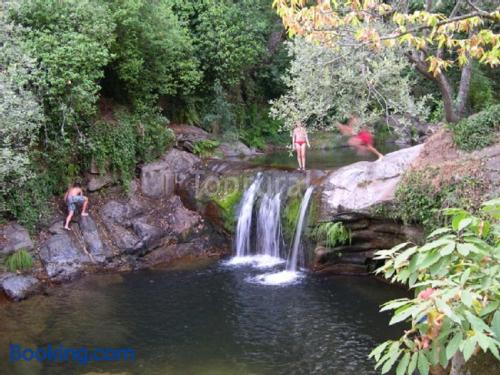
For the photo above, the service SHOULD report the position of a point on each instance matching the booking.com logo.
(60, 353)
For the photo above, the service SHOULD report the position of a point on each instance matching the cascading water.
(244, 226)
(269, 226)
(291, 264)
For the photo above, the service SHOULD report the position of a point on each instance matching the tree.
(153, 51)
(434, 35)
(70, 39)
(20, 114)
(456, 278)
(324, 83)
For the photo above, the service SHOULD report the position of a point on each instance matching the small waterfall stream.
(244, 226)
(292, 262)
(269, 246)
(269, 226)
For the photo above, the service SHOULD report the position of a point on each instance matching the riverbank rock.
(18, 287)
(97, 250)
(61, 258)
(361, 186)
(235, 149)
(14, 237)
(98, 182)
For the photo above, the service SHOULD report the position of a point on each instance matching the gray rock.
(235, 149)
(98, 182)
(361, 186)
(158, 179)
(169, 253)
(147, 233)
(57, 227)
(181, 163)
(181, 220)
(61, 258)
(92, 239)
(14, 237)
(18, 287)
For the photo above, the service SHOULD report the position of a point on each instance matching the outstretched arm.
(307, 141)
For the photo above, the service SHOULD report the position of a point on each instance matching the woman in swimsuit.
(299, 141)
(363, 140)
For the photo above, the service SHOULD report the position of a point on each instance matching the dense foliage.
(326, 85)
(479, 130)
(432, 35)
(92, 82)
(455, 310)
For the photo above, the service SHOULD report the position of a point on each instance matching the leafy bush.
(118, 145)
(422, 194)
(19, 261)
(205, 147)
(477, 131)
(456, 279)
(333, 233)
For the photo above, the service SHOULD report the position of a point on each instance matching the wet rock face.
(364, 185)
(61, 257)
(14, 237)
(18, 287)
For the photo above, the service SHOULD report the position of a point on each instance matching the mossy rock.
(221, 198)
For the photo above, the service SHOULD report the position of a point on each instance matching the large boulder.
(14, 237)
(235, 149)
(98, 251)
(61, 258)
(158, 179)
(18, 287)
(361, 186)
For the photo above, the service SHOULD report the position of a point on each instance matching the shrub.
(333, 234)
(477, 131)
(205, 147)
(131, 138)
(456, 280)
(19, 261)
(423, 193)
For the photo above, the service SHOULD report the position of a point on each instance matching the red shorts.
(365, 138)
(300, 143)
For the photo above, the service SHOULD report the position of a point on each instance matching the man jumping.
(74, 196)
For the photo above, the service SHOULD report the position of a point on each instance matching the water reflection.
(205, 321)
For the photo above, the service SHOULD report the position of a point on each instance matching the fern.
(18, 261)
(333, 233)
(205, 147)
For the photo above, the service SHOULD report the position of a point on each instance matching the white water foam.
(257, 261)
(277, 278)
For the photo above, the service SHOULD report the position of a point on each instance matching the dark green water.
(321, 158)
(207, 320)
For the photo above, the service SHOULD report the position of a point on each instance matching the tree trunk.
(464, 89)
(447, 96)
(458, 365)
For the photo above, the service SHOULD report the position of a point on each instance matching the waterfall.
(292, 261)
(244, 226)
(269, 226)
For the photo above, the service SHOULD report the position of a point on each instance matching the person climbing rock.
(299, 142)
(73, 197)
(363, 140)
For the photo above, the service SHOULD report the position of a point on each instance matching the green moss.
(227, 204)
(290, 215)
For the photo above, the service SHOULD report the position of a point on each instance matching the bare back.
(73, 192)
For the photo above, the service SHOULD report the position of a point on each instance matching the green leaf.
(430, 259)
(453, 345)
(483, 341)
(465, 276)
(390, 362)
(467, 298)
(394, 304)
(445, 309)
(413, 363)
(438, 232)
(403, 315)
(464, 223)
(403, 364)
(447, 249)
(477, 323)
(466, 248)
(377, 352)
(423, 364)
(495, 325)
(469, 346)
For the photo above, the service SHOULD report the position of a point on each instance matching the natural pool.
(205, 320)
